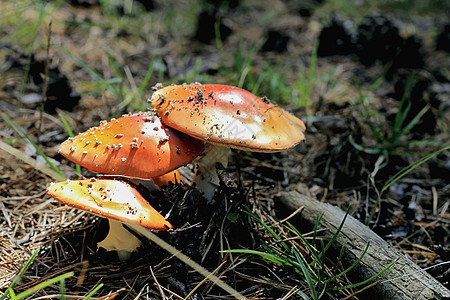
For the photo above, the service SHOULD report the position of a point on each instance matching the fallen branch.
(354, 236)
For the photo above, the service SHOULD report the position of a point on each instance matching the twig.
(32, 162)
(203, 281)
(163, 244)
(45, 81)
(161, 291)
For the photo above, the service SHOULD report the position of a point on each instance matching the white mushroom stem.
(205, 177)
(121, 240)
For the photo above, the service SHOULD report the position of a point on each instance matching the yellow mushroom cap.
(107, 198)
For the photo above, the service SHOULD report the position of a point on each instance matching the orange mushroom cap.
(228, 115)
(107, 198)
(174, 177)
(135, 145)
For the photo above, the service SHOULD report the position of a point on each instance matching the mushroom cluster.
(132, 146)
(187, 122)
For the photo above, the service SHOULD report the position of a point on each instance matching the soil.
(350, 152)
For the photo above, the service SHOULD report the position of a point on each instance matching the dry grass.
(327, 167)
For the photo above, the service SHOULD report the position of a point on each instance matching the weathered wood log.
(354, 237)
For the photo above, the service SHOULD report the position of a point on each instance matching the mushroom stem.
(205, 177)
(115, 200)
(121, 240)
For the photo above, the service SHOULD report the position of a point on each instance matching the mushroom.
(174, 177)
(113, 199)
(134, 146)
(225, 117)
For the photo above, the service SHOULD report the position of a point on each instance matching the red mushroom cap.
(135, 145)
(227, 115)
(109, 199)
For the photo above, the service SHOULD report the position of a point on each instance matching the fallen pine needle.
(202, 271)
(31, 161)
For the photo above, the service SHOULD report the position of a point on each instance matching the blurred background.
(371, 80)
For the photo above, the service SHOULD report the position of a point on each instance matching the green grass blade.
(262, 76)
(304, 82)
(82, 64)
(303, 295)
(69, 131)
(307, 244)
(267, 228)
(341, 254)
(312, 67)
(376, 84)
(315, 229)
(115, 80)
(141, 87)
(118, 93)
(409, 168)
(9, 290)
(351, 267)
(307, 274)
(267, 256)
(402, 112)
(333, 238)
(94, 74)
(36, 147)
(147, 77)
(218, 41)
(194, 74)
(62, 289)
(361, 148)
(367, 280)
(400, 117)
(43, 285)
(414, 121)
(114, 65)
(97, 288)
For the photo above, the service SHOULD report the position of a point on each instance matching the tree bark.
(354, 236)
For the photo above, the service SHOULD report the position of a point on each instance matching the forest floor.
(374, 96)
